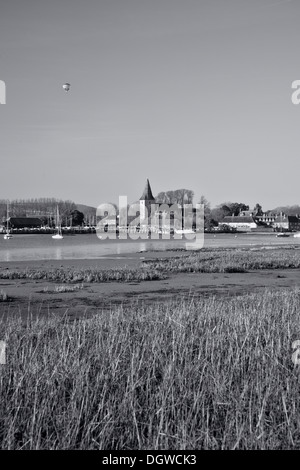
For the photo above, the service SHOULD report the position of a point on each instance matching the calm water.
(42, 247)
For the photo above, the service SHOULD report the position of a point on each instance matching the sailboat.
(58, 235)
(8, 235)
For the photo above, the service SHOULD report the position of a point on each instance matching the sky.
(191, 94)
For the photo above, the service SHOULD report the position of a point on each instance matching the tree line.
(43, 208)
(177, 196)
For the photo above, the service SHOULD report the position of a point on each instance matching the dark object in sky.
(66, 86)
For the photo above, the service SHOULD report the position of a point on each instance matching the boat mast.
(7, 214)
(58, 222)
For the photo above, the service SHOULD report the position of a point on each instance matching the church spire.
(147, 194)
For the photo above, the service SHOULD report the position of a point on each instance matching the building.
(160, 217)
(242, 223)
(146, 200)
(267, 218)
(294, 223)
(250, 221)
(24, 222)
(288, 223)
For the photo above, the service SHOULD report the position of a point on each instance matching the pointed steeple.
(147, 194)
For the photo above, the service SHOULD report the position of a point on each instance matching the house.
(289, 223)
(267, 218)
(242, 223)
(250, 221)
(294, 223)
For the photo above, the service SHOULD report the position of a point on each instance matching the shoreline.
(94, 297)
(131, 260)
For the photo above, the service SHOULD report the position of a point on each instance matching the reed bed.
(206, 261)
(219, 261)
(63, 288)
(69, 275)
(190, 374)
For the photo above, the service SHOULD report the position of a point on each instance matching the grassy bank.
(70, 275)
(205, 374)
(230, 260)
(204, 261)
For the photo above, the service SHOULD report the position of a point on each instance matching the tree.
(219, 212)
(189, 196)
(207, 213)
(258, 209)
(206, 204)
(288, 210)
(77, 217)
(171, 197)
(177, 196)
(161, 198)
(44, 219)
(237, 207)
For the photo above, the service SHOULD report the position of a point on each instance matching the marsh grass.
(189, 374)
(228, 261)
(63, 288)
(70, 275)
(206, 261)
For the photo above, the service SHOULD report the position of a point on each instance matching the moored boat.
(8, 235)
(58, 235)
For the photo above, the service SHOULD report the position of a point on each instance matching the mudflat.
(44, 297)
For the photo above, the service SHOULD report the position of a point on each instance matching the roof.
(147, 194)
(281, 218)
(237, 219)
(247, 213)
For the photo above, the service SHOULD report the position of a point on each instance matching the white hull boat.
(58, 235)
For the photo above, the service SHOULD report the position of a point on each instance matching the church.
(149, 216)
(160, 217)
(146, 200)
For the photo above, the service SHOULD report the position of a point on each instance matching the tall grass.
(216, 261)
(63, 288)
(84, 275)
(206, 261)
(191, 374)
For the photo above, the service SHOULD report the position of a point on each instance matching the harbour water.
(87, 246)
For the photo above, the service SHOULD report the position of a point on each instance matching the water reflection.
(58, 253)
(40, 247)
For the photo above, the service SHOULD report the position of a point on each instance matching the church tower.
(145, 201)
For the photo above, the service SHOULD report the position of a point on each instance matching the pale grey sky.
(187, 93)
